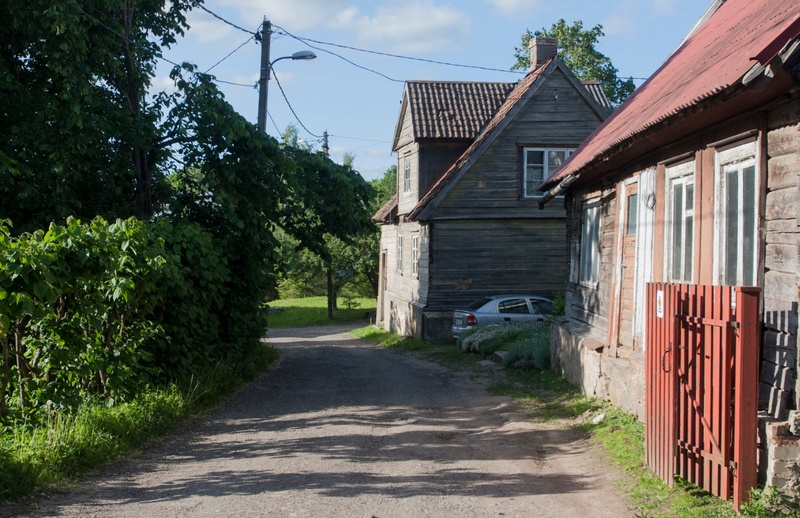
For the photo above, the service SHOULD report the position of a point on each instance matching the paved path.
(341, 428)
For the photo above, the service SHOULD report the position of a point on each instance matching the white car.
(502, 309)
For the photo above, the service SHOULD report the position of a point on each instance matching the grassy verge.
(72, 443)
(312, 311)
(546, 396)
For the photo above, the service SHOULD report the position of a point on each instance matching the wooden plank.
(658, 238)
(727, 366)
(746, 402)
(704, 217)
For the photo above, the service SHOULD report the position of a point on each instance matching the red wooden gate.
(701, 370)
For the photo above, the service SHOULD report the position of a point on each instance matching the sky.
(355, 95)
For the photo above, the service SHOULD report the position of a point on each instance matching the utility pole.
(325, 149)
(263, 81)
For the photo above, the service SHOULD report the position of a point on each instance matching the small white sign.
(660, 304)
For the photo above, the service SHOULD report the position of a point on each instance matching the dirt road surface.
(342, 428)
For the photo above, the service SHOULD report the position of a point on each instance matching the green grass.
(312, 311)
(447, 354)
(72, 443)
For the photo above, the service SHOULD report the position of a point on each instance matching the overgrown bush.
(527, 344)
(98, 310)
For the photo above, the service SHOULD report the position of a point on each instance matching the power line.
(397, 56)
(362, 139)
(340, 57)
(223, 20)
(230, 54)
(292, 109)
(254, 85)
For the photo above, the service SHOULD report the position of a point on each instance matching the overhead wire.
(223, 20)
(292, 109)
(231, 53)
(308, 42)
(284, 32)
(397, 56)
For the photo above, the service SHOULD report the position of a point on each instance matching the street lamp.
(266, 66)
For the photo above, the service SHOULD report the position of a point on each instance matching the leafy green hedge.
(98, 310)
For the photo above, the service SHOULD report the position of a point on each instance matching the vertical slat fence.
(701, 370)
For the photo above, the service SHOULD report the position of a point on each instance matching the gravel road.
(342, 428)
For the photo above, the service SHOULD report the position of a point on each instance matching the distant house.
(695, 179)
(470, 159)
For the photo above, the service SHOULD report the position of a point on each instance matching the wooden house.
(694, 180)
(470, 159)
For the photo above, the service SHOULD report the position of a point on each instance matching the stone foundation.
(782, 464)
(437, 326)
(581, 360)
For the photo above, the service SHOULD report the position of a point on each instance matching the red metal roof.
(710, 61)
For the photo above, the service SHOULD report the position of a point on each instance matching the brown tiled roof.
(453, 110)
(491, 130)
(709, 64)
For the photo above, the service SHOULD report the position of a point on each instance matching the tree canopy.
(83, 136)
(578, 48)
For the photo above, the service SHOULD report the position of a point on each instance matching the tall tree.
(577, 47)
(333, 201)
(77, 134)
(385, 187)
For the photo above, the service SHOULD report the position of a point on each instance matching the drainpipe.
(558, 189)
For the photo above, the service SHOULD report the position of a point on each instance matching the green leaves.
(92, 309)
(577, 47)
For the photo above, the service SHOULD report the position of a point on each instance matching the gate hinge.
(735, 325)
(733, 464)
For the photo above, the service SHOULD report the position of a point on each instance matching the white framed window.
(538, 164)
(589, 263)
(415, 255)
(736, 236)
(407, 175)
(400, 253)
(680, 222)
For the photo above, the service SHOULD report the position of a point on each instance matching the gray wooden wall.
(781, 264)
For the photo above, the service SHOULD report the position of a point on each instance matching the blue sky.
(359, 107)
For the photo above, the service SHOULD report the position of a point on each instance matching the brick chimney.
(542, 50)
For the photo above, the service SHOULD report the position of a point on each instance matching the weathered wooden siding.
(473, 258)
(591, 304)
(404, 290)
(781, 264)
(406, 135)
(406, 200)
(435, 158)
(493, 185)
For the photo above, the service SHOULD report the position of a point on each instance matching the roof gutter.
(558, 189)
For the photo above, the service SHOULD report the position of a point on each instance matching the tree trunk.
(331, 294)
(6, 377)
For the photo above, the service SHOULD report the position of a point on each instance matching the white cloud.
(516, 7)
(664, 6)
(206, 29)
(395, 25)
(417, 27)
(620, 23)
(295, 15)
(162, 84)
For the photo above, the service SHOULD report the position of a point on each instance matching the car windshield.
(478, 303)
